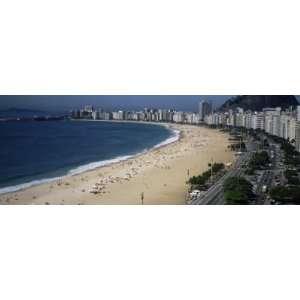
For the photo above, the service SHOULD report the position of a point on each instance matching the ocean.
(34, 152)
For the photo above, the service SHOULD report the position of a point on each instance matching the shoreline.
(160, 173)
(81, 169)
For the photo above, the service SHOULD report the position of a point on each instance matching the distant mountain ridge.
(257, 102)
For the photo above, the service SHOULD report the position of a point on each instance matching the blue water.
(31, 152)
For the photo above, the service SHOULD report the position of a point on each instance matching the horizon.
(60, 103)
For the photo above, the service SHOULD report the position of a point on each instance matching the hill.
(257, 103)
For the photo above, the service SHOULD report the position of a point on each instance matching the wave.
(26, 185)
(95, 165)
(90, 166)
(174, 138)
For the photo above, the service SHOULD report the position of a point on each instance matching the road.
(268, 176)
(214, 195)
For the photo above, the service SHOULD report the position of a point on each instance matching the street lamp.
(211, 170)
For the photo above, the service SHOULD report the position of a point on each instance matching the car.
(195, 193)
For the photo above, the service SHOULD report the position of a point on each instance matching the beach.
(156, 177)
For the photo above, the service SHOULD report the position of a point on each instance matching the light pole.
(211, 171)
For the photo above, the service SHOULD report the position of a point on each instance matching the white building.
(258, 121)
(239, 118)
(231, 118)
(297, 136)
(298, 113)
(248, 119)
(276, 125)
(292, 133)
(223, 119)
(272, 120)
(178, 117)
(208, 119)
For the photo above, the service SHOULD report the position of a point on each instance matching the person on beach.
(142, 198)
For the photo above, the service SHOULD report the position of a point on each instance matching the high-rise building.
(178, 117)
(88, 108)
(297, 136)
(231, 118)
(248, 119)
(258, 121)
(205, 108)
(276, 125)
(292, 132)
(298, 113)
(240, 118)
(272, 120)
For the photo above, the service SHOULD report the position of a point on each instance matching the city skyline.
(274, 121)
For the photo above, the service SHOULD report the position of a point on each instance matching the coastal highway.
(214, 195)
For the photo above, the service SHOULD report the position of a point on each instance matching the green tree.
(237, 190)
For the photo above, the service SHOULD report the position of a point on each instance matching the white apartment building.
(287, 127)
(284, 126)
(192, 118)
(208, 119)
(292, 133)
(258, 121)
(118, 115)
(223, 119)
(297, 136)
(189, 118)
(248, 119)
(95, 115)
(298, 113)
(239, 119)
(215, 117)
(272, 120)
(196, 119)
(276, 125)
(231, 118)
(178, 117)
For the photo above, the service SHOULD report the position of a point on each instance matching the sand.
(160, 174)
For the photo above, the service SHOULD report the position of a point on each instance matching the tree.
(202, 179)
(259, 160)
(286, 195)
(237, 190)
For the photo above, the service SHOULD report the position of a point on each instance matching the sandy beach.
(159, 174)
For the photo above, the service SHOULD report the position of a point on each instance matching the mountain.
(257, 103)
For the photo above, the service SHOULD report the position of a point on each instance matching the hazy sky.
(62, 103)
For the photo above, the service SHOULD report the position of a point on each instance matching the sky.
(64, 103)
